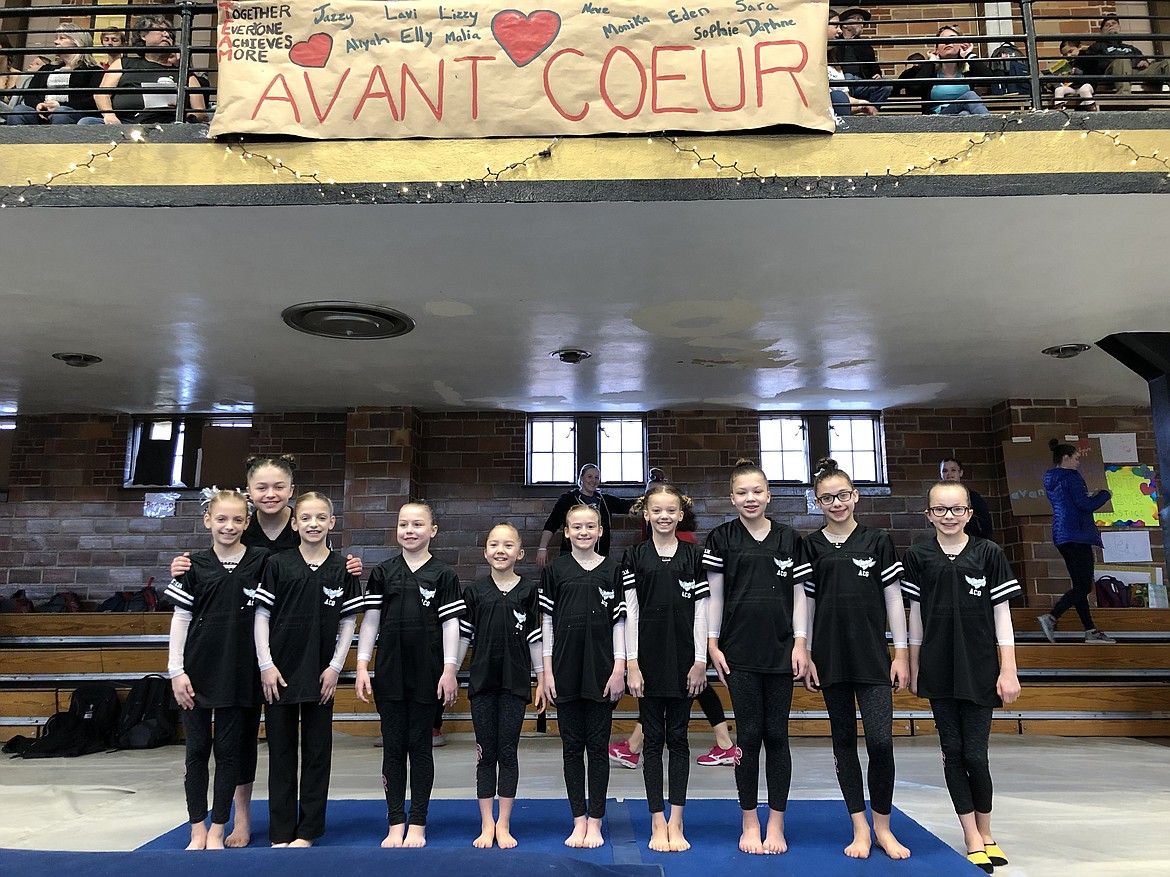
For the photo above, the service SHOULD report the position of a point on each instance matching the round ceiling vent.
(1065, 351)
(347, 320)
(78, 360)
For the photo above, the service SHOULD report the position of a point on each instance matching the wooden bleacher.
(1070, 688)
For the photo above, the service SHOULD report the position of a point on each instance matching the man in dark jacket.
(1109, 56)
(857, 56)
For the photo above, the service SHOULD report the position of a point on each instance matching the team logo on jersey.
(688, 589)
(331, 595)
(249, 596)
(977, 585)
(520, 618)
(784, 565)
(864, 565)
(426, 596)
(606, 596)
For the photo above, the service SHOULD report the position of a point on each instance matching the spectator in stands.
(124, 95)
(1074, 91)
(950, 469)
(51, 99)
(844, 102)
(1109, 56)
(113, 39)
(857, 58)
(9, 70)
(952, 58)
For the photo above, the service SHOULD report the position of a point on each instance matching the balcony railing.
(1038, 77)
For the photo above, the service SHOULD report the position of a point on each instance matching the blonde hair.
(684, 501)
(313, 496)
(82, 41)
(584, 507)
(744, 466)
(506, 526)
(212, 496)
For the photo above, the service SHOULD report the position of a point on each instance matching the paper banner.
(364, 69)
(1135, 498)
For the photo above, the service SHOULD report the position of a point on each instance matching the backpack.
(1112, 593)
(87, 727)
(1008, 60)
(65, 601)
(18, 602)
(148, 717)
(145, 600)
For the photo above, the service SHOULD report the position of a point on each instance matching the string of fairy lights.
(738, 170)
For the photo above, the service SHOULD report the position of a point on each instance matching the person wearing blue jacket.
(1074, 532)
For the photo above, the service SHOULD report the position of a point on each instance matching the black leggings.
(762, 702)
(877, 713)
(1078, 557)
(585, 726)
(406, 731)
(664, 721)
(249, 744)
(226, 743)
(711, 706)
(964, 729)
(498, 718)
(312, 723)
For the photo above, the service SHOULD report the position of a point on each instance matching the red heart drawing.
(1147, 488)
(313, 52)
(524, 37)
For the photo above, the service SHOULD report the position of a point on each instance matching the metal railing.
(1037, 35)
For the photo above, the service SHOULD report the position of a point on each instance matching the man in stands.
(1110, 56)
(857, 57)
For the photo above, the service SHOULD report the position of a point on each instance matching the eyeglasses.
(940, 511)
(840, 496)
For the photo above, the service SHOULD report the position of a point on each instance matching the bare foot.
(678, 843)
(659, 836)
(593, 836)
(241, 834)
(198, 836)
(888, 844)
(504, 839)
(394, 836)
(487, 835)
(577, 838)
(859, 849)
(215, 837)
(749, 840)
(416, 836)
(300, 844)
(774, 841)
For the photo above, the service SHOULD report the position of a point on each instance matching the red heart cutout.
(313, 52)
(524, 37)
(1147, 488)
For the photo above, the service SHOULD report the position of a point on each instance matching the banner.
(418, 68)
(1135, 498)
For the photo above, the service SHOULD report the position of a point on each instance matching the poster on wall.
(1135, 498)
(480, 68)
(1025, 463)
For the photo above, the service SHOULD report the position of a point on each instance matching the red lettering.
(224, 46)
(656, 77)
(605, 76)
(437, 107)
(475, 59)
(377, 73)
(548, 88)
(742, 85)
(791, 71)
(288, 98)
(332, 100)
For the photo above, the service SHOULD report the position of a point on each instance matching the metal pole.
(1033, 54)
(186, 14)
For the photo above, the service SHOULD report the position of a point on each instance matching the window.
(186, 451)
(791, 445)
(559, 446)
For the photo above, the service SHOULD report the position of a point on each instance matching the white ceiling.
(851, 303)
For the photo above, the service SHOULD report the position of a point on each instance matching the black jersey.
(584, 605)
(667, 592)
(287, 538)
(758, 578)
(307, 606)
(849, 622)
(220, 653)
(959, 655)
(414, 605)
(501, 627)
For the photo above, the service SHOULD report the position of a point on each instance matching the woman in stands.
(53, 99)
(954, 59)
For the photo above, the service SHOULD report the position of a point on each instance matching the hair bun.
(826, 464)
(744, 461)
(1053, 444)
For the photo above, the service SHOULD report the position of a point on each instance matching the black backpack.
(145, 600)
(64, 601)
(87, 727)
(1008, 60)
(149, 715)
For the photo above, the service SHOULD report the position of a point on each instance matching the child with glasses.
(959, 587)
(854, 592)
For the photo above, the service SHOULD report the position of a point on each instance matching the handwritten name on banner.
(419, 68)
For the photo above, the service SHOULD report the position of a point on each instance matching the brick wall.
(68, 523)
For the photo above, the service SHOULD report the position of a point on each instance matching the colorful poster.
(420, 68)
(1135, 498)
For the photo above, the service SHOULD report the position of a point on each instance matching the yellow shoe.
(995, 854)
(980, 859)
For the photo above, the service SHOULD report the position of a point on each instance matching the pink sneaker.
(619, 753)
(718, 756)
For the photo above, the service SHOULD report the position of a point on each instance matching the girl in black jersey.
(503, 618)
(413, 607)
(959, 587)
(666, 604)
(854, 592)
(756, 569)
(270, 487)
(305, 618)
(584, 664)
(211, 660)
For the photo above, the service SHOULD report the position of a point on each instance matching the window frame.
(816, 427)
(186, 444)
(587, 446)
